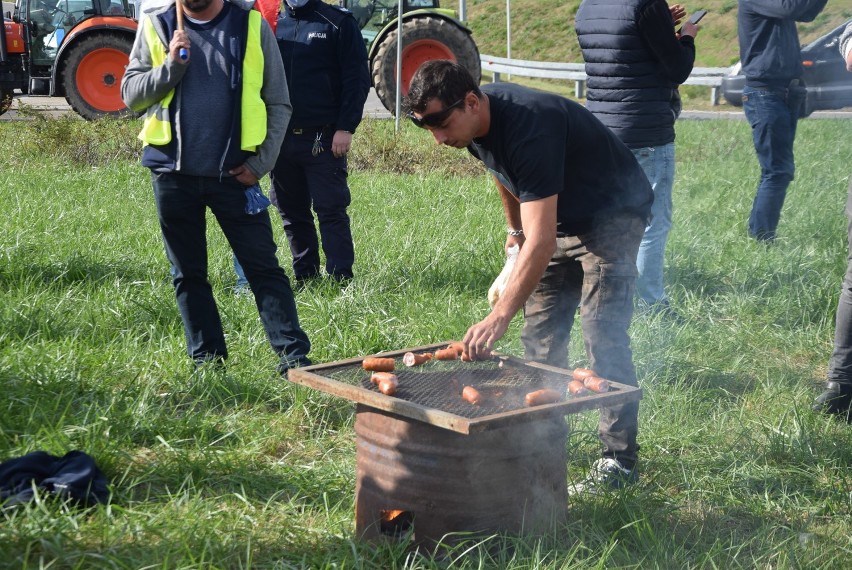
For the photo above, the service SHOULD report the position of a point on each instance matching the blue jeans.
(773, 115)
(595, 272)
(840, 365)
(182, 202)
(658, 162)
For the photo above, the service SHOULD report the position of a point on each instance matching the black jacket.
(769, 44)
(326, 63)
(634, 65)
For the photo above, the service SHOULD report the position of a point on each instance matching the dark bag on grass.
(73, 476)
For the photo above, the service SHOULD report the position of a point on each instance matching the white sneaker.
(606, 474)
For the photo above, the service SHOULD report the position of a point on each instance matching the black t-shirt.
(540, 144)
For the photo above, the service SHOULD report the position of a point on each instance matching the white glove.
(502, 280)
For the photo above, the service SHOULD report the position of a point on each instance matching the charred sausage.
(377, 364)
(577, 388)
(472, 395)
(596, 384)
(582, 373)
(411, 359)
(540, 397)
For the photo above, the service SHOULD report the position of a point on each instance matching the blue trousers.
(773, 115)
(302, 181)
(658, 162)
(182, 202)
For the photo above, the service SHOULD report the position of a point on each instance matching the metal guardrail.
(576, 72)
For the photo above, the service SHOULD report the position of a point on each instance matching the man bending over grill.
(576, 202)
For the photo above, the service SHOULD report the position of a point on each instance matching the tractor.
(76, 49)
(428, 32)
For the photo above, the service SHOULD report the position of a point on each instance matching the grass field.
(241, 469)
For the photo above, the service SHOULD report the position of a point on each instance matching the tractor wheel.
(5, 100)
(92, 75)
(424, 38)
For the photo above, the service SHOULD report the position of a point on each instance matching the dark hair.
(440, 79)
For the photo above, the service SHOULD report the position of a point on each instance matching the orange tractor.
(76, 49)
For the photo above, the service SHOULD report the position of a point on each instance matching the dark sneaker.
(835, 399)
(286, 364)
(606, 474)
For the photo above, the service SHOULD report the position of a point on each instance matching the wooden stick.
(179, 10)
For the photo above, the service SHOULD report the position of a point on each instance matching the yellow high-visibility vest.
(157, 128)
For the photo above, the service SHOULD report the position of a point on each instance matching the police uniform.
(325, 59)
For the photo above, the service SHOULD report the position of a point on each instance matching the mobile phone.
(695, 18)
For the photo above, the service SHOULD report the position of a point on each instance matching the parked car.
(828, 84)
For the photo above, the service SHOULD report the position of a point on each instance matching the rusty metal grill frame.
(346, 379)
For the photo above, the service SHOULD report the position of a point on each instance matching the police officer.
(325, 59)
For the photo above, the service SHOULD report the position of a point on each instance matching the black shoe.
(606, 474)
(835, 399)
(286, 364)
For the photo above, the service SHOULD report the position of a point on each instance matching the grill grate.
(431, 392)
(439, 384)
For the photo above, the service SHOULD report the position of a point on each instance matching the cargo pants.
(595, 272)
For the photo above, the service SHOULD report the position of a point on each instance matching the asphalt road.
(374, 109)
(57, 106)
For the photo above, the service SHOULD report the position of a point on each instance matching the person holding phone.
(635, 62)
(773, 96)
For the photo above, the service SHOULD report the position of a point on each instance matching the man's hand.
(689, 29)
(180, 39)
(245, 176)
(480, 338)
(341, 143)
(678, 12)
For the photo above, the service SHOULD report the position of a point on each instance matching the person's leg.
(773, 126)
(837, 397)
(251, 239)
(608, 256)
(290, 196)
(326, 177)
(181, 210)
(242, 282)
(549, 311)
(659, 166)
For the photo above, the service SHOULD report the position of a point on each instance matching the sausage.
(539, 397)
(379, 376)
(387, 386)
(582, 373)
(596, 384)
(472, 395)
(458, 346)
(577, 388)
(376, 364)
(411, 359)
(446, 354)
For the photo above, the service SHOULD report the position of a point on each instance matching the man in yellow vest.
(217, 107)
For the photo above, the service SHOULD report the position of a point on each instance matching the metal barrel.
(415, 477)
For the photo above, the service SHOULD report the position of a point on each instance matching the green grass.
(243, 470)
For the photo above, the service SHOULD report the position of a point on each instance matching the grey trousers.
(595, 272)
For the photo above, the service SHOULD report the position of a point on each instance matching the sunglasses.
(437, 118)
